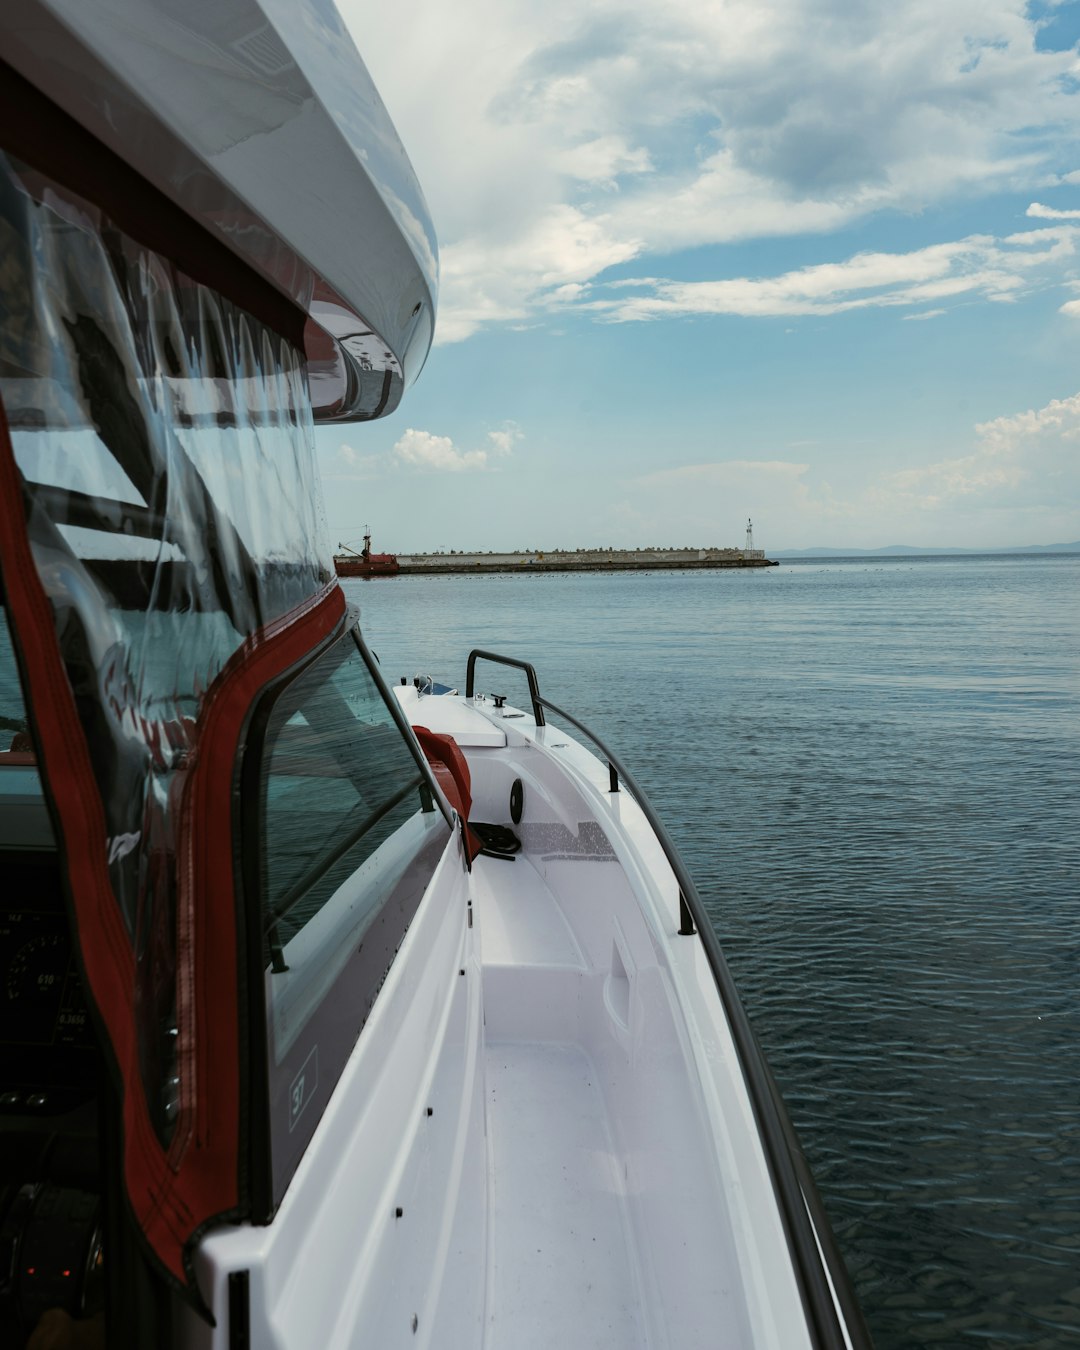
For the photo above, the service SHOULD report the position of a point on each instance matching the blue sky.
(816, 262)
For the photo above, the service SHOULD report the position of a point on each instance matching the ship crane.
(367, 563)
(365, 552)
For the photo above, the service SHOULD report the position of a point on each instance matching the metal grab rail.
(530, 673)
(820, 1272)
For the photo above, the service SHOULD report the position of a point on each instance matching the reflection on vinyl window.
(342, 800)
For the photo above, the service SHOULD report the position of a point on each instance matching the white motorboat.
(332, 1014)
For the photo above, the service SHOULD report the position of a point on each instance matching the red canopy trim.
(208, 915)
(173, 1195)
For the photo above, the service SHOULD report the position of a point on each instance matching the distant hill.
(908, 550)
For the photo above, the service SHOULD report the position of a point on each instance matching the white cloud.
(1023, 461)
(422, 450)
(505, 438)
(1049, 213)
(994, 269)
(425, 451)
(1019, 483)
(485, 280)
(603, 160)
(556, 141)
(1054, 427)
(1071, 308)
(926, 314)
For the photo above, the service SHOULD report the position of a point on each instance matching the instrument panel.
(46, 1036)
(41, 1000)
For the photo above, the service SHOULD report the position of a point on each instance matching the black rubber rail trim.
(833, 1315)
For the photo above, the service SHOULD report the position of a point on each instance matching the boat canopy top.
(259, 120)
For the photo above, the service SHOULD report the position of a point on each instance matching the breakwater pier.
(555, 560)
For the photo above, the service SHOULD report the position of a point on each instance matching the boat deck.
(562, 1270)
(562, 1266)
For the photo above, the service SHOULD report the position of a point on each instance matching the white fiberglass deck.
(562, 1269)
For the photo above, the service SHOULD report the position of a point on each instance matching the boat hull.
(377, 566)
(544, 1136)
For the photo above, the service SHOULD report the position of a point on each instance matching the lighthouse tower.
(749, 550)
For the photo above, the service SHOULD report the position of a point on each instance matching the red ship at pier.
(365, 563)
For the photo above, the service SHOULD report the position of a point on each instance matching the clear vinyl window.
(338, 781)
(173, 510)
(345, 839)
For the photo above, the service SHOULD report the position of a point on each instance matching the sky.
(811, 262)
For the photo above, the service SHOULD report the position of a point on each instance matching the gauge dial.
(34, 987)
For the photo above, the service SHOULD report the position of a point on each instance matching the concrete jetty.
(580, 560)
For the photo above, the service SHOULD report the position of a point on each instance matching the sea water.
(871, 768)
